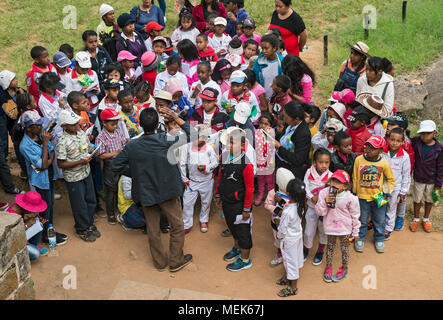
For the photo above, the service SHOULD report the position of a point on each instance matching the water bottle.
(52, 238)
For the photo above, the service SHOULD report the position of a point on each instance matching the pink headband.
(228, 66)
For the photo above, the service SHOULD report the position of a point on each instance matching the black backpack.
(110, 44)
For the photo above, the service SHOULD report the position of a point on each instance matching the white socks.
(416, 219)
(425, 219)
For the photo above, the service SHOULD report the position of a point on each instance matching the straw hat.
(373, 103)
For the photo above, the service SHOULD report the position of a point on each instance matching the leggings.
(344, 246)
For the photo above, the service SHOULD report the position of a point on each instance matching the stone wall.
(15, 278)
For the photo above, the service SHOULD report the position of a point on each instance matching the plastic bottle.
(52, 238)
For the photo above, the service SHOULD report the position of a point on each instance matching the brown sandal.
(283, 281)
(286, 292)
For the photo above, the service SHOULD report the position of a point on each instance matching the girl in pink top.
(257, 90)
(302, 78)
(339, 222)
(221, 74)
(248, 29)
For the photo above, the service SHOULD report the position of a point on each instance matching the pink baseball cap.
(31, 201)
(342, 176)
(125, 55)
(376, 141)
(149, 60)
(346, 96)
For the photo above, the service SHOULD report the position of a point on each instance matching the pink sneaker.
(258, 200)
(327, 276)
(341, 274)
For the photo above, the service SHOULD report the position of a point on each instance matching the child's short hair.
(250, 41)
(142, 86)
(268, 116)
(149, 119)
(88, 33)
(275, 31)
(251, 78)
(320, 152)
(283, 82)
(271, 39)
(174, 59)
(235, 43)
(339, 137)
(315, 113)
(397, 131)
(188, 50)
(210, 16)
(205, 63)
(37, 51)
(47, 80)
(115, 66)
(23, 100)
(123, 94)
(66, 48)
(74, 97)
(281, 45)
(239, 23)
(204, 36)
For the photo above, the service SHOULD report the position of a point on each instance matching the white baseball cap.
(242, 112)
(427, 126)
(226, 133)
(220, 20)
(84, 60)
(238, 76)
(68, 117)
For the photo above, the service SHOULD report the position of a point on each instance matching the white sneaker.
(57, 196)
(276, 261)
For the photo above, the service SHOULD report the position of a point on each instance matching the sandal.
(283, 281)
(286, 292)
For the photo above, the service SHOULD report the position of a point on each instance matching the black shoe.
(112, 220)
(226, 233)
(86, 235)
(99, 210)
(164, 229)
(23, 175)
(187, 260)
(95, 231)
(58, 237)
(14, 191)
(62, 235)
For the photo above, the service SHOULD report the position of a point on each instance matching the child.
(398, 159)
(235, 47)
(235, 15)
(42, 64)
(150, 62)
(248, 29)
(208, 113)
(238, 30)
(259, 92)
(221, 74)
(159, 46)
(169, 47)
(351, 70)
(127, 61)
(325, 138)
(428, 172)
(73, 157)
(342, 158)
(218, 39)
(268, 64)
(369, 174)
(377, 110)
(143, 97)
(204, 81)
(173, 65)
(280, 96)
(110, 142)
(302, 78)
(115, 71)
(358, 131)
(234, 192)
(315, 180)
(153, 29)
(62, 64)
(131, 216)
(129, 113)
(264, 148)
(206, 52)
(250, 49)
(180, 103)
(107, 25)
(339, 222)
(186, 28)
(239, 93)
(68, 50)
(201, 160)
(190, 59)
(290, 236)
(210, 22)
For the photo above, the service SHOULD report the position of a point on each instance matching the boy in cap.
(359, 118)
(428, 172)
(73, 158)
(153, 29)
(110, 142)
(218, 39)
(62, 65)
(107, 25)
(248, 29)
(369, 175)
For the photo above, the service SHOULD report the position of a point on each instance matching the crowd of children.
(341, 172)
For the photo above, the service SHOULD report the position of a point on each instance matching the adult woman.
(99, 56)
(291, 26)
(302, 78)
(129, 39)
(202, 11)
(295, 143)
(147, 12)
(377, 82)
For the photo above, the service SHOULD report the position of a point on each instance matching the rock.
(133, 255)
(23, 263)
(8, 282)
(409, 94)
(25, 291)
(132, 290)
(434, 102)
(12, 237)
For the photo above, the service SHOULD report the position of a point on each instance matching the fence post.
(366, 27)
(325, 49)
(403, 16)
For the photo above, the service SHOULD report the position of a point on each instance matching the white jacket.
(290, 229)
(401, 168)
(197, 102)
(179, 35)
(191, 157)
(320, 141)
(162, 79)
(314, 181)
(363, 86)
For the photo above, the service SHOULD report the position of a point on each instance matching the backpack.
(110, 44)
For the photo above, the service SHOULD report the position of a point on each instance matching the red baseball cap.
(376, 141)
(153, 25)
(109, 114)
(209, 94)
(342, 176)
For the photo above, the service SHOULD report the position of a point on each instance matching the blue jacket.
(230, 26)
(260, 63)
(32, 151)
(181, 106)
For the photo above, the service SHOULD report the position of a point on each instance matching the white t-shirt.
(179, 35)
(219, 43)
(269, 73)
(207, 117)
(210, 84)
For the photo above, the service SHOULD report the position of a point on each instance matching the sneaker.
(239, 264)
(340, 275)
(232, 254)
(3, 205)
(380, 246)
(327, 276)
(187, 230)
(305, 255)
(14, 191)
(370, 225)
(204, 227)
(187, 260)
(112, 219)
(59, 238)
(399, 223)
(258, 200)
(62, 235)
(359, 246)
(95, 231)
(276, 261)
(43, 251)
(414, 225)
(23, 175)
(86, 235)
(427, 226)
(99, 210)
(387, 235)
(57, 196)
(318, 258)
(122, 223)
(226, 233)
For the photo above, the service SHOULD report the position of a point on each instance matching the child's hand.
(330, 198)
(86, 160)
(201, 168)
(314, 199)
(218, 202)
(61, 102)
(401, 198)
(246, 215)
(277, 198)
(84, 88)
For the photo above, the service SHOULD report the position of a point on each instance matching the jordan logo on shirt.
(232, 177)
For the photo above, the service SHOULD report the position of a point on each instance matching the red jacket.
(208, 55)
(199, 16)
(359, 138)
(33, 79)
(150, 77)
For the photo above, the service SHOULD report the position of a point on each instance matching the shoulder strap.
(384, 91)
(129, 121)
(137, 18)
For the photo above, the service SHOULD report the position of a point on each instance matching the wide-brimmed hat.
(360, 47)
(340, 109)
(283, 176)
(31, 201)
(373, 103)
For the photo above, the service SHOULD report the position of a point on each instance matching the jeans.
(82, 199)
(48, 196)
(134, 217)
(110, 179)
(5, 172)
(33, 251)
(368, 209)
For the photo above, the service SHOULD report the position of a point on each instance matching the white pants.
(391, 211)
(292, 253)
(312, 224)
(276, 241)
(190, 197)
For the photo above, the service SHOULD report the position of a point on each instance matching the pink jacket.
(269, 202)
(306, 84)
(344, 218)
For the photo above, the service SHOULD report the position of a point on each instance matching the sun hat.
(124, 19)
(234, 59)
(360, 47)
(376, 141)
(220, 20)
(125, 55)
(68, 117)
(61, 60)
(340, 109)
(226, 133)
(109, 114)
(6, 78)
(31, 201)
(83, 59)
(164, 95)
(237, 76)
(283, 176)
(160, 38)
(209, 94)
(242, 112)
(346, 96)
(373, 103)
(150, 61)
(248, 22)
(342, 176)
(30, 118)
(334, 125)
(427, 126)
(173, 86)
(105, 9)
(399, 119)
(153, 25)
